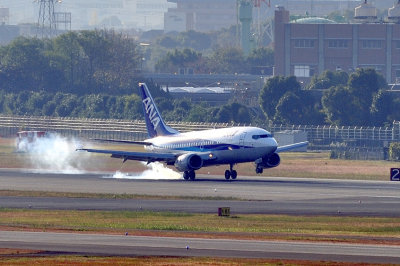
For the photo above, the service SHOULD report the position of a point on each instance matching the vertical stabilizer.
(154, 122)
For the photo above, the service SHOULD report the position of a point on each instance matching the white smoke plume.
(156, 171)
(53, 153)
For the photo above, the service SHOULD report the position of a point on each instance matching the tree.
(228, 60)
(168, 42)
(177, 59)
(24, 65)
(233, 112)
(394, 151)
(272, 92)
(298, 107)
(49, 108)
(328, 79)
(67, 106)
(36, 101)
(70, 53)
(262, 56)
(189, 39)
(382, 108)
(339, 108)
(364, 83)
(194, 40)
(360, 102)
(132, 107)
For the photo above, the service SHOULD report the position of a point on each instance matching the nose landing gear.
(259, 170)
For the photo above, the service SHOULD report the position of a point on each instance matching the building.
(312, 46)
(203, 16)
(8, 33)
(316, 7)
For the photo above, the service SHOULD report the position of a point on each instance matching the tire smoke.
(156, 171)
(54, 153)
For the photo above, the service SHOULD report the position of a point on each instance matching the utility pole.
(47, 25)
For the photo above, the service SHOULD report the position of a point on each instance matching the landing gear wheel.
(259, 170)
(192, 175)
(227, 174)
(233, 174)
(186, 175)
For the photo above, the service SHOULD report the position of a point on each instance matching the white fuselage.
(228, 145)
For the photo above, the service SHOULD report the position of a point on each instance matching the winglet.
(154, 122)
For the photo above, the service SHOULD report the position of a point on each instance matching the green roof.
(313, 20)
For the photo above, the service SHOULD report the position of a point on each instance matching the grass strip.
(295, 227)
(49, 194)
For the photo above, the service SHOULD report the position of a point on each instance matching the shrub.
(394, 151)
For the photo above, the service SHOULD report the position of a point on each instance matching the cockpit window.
(261, 136)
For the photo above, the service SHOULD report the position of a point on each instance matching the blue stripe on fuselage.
(206, 148)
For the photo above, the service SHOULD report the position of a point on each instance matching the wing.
(138, 156)
(291, 146)
(124, 141)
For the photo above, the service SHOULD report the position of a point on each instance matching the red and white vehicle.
(25, 139)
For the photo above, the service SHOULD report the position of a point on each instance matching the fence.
(360, 153)
(136, 129)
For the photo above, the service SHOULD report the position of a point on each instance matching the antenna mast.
(47, 25)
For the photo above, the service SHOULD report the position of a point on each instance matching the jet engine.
(271, 161)
(188, 162)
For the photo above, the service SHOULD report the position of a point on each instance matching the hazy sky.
(144, 14)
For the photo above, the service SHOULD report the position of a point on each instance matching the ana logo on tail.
(151, 112)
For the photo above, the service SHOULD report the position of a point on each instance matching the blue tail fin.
(154, 122)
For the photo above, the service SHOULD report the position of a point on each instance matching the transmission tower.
(47, 25)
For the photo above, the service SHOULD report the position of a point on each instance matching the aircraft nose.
(273, 143)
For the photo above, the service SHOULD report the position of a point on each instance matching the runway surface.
(256, 194)
(103, 245)
(293, 196)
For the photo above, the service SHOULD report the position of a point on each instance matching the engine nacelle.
(188, 162)
(271, 161)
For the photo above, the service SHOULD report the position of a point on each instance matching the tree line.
(82, 62)
(118, 107)
(95, 73)
(223, 60)
(358, 99)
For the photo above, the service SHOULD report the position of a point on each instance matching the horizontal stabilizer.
(291, 146)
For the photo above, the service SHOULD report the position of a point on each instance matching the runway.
(106, 245)
(248, 194)
(294, 196)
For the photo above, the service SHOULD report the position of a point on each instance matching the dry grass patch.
(317, 165)
(162, 261)
(10, 251)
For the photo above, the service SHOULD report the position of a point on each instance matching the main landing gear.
(230, 173)
(189, 175)
(259, 170)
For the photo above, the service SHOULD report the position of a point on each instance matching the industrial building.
(310, 46)
(211, 15)
(204, 16)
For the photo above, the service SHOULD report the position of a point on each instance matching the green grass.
(209, 223)
(49, 194)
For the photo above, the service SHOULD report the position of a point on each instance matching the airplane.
(190, 151)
